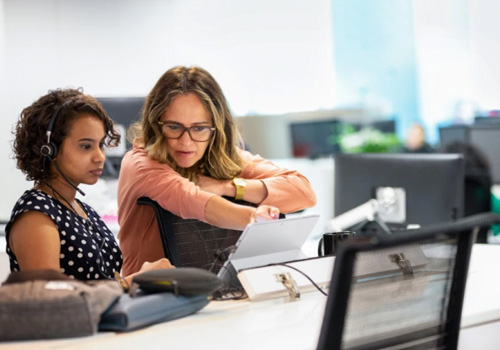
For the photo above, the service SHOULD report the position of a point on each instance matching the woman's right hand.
(264, 213)
(162, 263)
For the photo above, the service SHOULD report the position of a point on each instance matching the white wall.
(458, 50)
(269, 56)
(485, 52)
(10, 179)
(443, 56)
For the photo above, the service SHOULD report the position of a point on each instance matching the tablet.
(269, 242)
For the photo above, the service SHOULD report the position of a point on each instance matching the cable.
(301, 272)
(229, 291)
(221, 256)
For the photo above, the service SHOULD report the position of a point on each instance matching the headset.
(49, 149)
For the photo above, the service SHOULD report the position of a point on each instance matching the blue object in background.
(375, 57)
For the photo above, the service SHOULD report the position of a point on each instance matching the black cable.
(221, 256)
(228, 291)
(304, 274)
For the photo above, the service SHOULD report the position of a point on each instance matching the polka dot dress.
(89, 250)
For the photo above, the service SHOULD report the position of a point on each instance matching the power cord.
(229, 291)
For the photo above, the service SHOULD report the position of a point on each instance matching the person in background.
(59, 144)
(187, 156)
(416, 142)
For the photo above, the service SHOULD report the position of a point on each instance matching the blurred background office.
(306, 78)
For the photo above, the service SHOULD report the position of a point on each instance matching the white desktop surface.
(482, 295)
(280, 324)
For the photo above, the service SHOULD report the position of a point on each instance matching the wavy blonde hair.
(222, 159)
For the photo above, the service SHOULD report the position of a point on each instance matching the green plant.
(367, 140)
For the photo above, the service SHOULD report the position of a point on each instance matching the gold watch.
(240, 184)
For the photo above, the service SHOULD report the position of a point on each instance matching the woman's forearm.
(223, 213)
(255, 191)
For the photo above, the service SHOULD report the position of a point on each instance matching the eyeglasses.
(198, 133)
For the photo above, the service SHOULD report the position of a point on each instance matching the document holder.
(130, 313)
(262, 282)
(265, 282)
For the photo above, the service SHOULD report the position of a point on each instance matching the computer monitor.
(315, 139)
(487, 139)
(482, 120)
(453, 133)
(124, 111)
(385, 126)
(410, 188)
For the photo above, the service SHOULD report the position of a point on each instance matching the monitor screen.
(316, 138)
(493, 120)
(124, 111)
(385, 126)
(487, 139)
(452, 134)
(410, 188)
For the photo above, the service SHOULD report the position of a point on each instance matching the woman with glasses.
(187, 156)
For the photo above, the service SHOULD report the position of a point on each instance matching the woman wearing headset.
(59, 144)
(187, 156)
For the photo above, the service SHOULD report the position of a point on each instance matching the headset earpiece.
(49, 150)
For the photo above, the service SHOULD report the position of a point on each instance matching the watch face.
(240, 182)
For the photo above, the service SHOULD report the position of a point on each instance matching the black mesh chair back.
(190, 242)
(403, 291)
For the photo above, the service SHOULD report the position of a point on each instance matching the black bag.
(181, 280)
(159, 296)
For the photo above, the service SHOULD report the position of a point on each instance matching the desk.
(279, 324)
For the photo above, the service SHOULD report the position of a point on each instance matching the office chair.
(403, 291)
(193, 243)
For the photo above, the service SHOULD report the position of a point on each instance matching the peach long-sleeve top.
(140, 176)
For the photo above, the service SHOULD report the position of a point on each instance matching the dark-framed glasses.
(198, 133)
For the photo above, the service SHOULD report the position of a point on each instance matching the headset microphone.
(67, 180)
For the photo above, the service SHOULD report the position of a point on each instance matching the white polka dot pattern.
(87, 245)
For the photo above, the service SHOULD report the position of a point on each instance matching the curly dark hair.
(31, 128)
